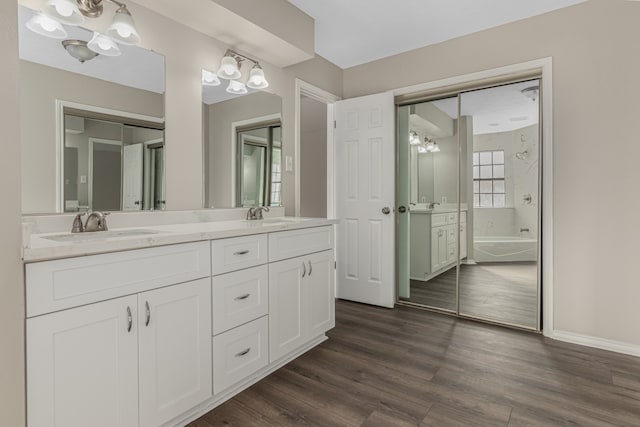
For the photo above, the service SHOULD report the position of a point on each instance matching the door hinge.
(335, 124)
(335, 265)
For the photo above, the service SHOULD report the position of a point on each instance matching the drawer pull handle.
(148, 312)
(310, 268)
(243, 252)
(243, 352)
(304, 269)
(129, 319)
(241, 297)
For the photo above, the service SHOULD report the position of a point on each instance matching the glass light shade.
(229, 68)
(45, 26)
(209, 78)
(122, 29)
(422, 149)
(237, 88)
(413, 138)
(63, 11)
(104, 45)
(256, 78)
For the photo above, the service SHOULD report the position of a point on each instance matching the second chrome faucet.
(256, 212)
(96, 221)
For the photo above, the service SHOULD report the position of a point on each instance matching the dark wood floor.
(410, 367)
(503, 292)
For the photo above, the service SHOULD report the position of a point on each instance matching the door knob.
(402, 209)
(386, 210)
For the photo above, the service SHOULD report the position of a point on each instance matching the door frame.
(545, 67)
(303, 88)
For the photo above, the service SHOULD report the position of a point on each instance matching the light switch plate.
(83, 179)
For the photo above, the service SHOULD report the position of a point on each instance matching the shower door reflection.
(498, 281)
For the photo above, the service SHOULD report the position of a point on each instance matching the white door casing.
(365, 187)
(132, 177)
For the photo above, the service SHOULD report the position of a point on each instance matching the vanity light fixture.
(531, 92)
(237, 88)
(79, 50)
(104, 45)
(73, 12)
(209, 78)
(430, 145)
(45, 26)
(230, 70)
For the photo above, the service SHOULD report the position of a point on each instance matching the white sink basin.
(278, 220)
(98, 235)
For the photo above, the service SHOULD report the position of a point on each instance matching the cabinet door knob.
(310, 268)
(243, 252)
(241, 297)
(304, 269)
(129, 319)
(148, 312)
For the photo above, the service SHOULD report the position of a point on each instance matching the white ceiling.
(136, 67)
(353, 32)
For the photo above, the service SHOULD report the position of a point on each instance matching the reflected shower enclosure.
(469, 243)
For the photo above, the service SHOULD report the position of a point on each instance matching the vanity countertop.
(49, 246)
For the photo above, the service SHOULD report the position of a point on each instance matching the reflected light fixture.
(531, 92)
(237, 88)
(73, 12)
(104, 45)
(79, 50)
(209, 78)
(63, 11)
(430, 145)
(414, 139)
(45, 26)
(230, 70)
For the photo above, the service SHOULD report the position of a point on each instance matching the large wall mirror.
(242, 148)
(92, 127)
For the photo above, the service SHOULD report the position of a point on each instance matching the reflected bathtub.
(504, 249)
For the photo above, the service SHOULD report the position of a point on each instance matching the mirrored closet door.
(469, 180)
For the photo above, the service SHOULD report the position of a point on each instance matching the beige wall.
(12, 401)
(594, 47)
(40, 86)
(313, 158)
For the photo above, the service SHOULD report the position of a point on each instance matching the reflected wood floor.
(410, 367)
(504, 292)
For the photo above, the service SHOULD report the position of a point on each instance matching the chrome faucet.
(256, 212)
(96, 221)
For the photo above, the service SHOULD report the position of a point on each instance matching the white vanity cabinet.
(136, 360)
(301, 289)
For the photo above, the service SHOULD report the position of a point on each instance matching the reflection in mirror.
(242, 147)
(55, 86)
(111, 166)
(259, 165)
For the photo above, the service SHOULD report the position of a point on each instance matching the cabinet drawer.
(451, 234)
(438, 220)
(61, 284)
(239, 353)
(452, 218)
(290, 244)
(240, 297)
(238, 253)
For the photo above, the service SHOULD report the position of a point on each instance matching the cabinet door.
(463, 238)
(175, 350)
(286, 328)
(82, 366)
(318, 293)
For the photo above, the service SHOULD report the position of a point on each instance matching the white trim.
(545, 66)
(234, 145)
(60, 137)
(596, 342)
(321, 95)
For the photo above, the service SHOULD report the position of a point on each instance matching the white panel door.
(132, 177)
(175, 350)
(82, 366)
(365, 189)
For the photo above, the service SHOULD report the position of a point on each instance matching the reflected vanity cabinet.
(153, 336)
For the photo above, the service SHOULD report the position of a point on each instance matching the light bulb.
(64, 9)
(48, 25)
(124, 32)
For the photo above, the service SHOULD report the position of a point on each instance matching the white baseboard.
(596, 342)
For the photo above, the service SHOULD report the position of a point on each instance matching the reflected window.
(488, 179)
